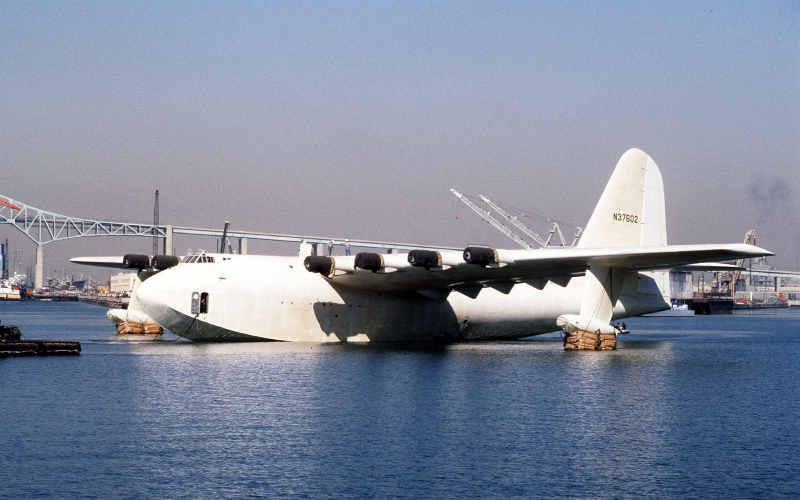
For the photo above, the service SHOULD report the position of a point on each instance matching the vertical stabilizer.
(631, 213)
(631, 209)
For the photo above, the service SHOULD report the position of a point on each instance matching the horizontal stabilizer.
(711, 267)
(571, 323)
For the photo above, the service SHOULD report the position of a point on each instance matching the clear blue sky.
(354, 119)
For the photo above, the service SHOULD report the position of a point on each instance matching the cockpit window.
(201, 258)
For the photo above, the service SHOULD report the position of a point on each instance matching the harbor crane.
(525, 229)
(727, 281)
(491, 220)
(224, 242)
(514, 220)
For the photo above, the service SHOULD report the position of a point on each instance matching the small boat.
(11, 342)
(677, 310)
(621, 328)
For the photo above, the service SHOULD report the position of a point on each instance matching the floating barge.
(718, 304)
(11, 342)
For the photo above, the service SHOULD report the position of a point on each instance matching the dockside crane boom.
(739, 263)
(525, 229)
(491, 220)
(731, 278)
(514, 220)
(578, 233)
(222, 245)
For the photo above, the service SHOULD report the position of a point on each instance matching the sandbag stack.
(581, 340)
(137, 328)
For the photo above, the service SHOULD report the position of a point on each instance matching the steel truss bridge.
(44, 227)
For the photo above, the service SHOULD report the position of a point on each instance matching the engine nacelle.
(135, 261)
(369, 261)
(425, 258)
(319, 264)
(481, 256)
(164, 261)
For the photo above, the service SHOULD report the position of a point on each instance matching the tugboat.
(11, 342)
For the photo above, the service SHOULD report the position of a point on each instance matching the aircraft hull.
(275, 298)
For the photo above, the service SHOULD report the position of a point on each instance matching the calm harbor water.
(703, 407)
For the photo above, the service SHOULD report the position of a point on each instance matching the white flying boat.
(618, 269)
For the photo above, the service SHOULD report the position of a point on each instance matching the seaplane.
(619, 268)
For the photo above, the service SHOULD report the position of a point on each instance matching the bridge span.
(43, 227)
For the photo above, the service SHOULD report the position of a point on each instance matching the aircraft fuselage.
(274, 298)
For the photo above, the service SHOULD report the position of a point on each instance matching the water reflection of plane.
(617, 270)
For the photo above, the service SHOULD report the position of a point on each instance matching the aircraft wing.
(673, 256)
(116, 262)
(133, 262)
(501, 269)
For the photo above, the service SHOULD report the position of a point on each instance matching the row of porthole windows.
(200, 303)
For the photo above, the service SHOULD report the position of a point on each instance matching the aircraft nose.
(153, 296)
(164, 297)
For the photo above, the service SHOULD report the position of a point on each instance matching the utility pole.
(155, 224)
(3, 264)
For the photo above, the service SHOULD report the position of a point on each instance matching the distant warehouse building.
(123, 282)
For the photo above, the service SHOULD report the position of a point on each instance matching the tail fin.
(631, 211)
